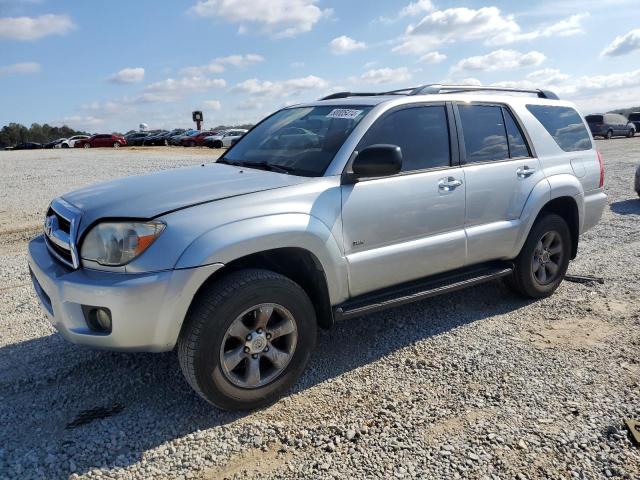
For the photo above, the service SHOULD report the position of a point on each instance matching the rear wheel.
(192, 144)
(217, 144)
(544, 258)
(65, 145)
(247, 338)
(116, 144)
(609, 134)
(87, 145)
(631, 133)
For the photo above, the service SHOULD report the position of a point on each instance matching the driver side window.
(422, 133)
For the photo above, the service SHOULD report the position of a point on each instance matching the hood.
(147, 196)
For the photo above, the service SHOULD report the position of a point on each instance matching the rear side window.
(594, 119)
(564, 125)
(517, 145)
(634, 117)
(485, 136)
(421, 132)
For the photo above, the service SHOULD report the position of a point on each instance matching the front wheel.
(116, 144)
(544, 258)
(631, 133)
(247, 338)
(609, 135)
(87, 145)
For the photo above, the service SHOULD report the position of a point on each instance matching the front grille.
(63, 223)
(61, 252)
(61, 229)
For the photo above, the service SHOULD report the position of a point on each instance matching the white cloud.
(34, 28)
(171, 89)
(213, 104)
(411, 10)
(383, 75)
(343, 44)
(487, 24)
(128, 75)
(547, 76)
(24, 68)
(564, 28)
(218, 65)
(416, 8)
(432, 57)
(623, 44)
(499, 60)
(284, 88)
(282, 18)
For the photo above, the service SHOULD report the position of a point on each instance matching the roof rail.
(436, 88)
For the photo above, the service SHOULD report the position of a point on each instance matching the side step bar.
(420, 290)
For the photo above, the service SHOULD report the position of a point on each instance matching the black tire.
(215, 309)
(609, 135)
(523, 280)
(631, 133)
(64, 145)
(217, 144)
(192, 144)
(116, 144)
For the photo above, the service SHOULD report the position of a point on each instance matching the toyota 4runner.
(323, 211)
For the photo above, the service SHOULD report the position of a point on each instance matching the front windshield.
(299, 140)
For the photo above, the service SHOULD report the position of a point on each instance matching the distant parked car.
(54, 143)
(225, 139)
(609, 125)
(155, 138)
(136, 139)
(197, 140)
(163, 138)
(176, 139)
(71, 141)
(101, 140)
(634, 117)
(27, 146)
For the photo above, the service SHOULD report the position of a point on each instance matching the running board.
(420, 290)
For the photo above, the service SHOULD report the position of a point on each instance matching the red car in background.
(198, 139)
(102, 140)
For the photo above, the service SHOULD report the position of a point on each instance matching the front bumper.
(147, 309)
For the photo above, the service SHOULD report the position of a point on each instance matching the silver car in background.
(323, 211)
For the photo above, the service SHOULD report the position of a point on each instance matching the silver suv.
(323, 211)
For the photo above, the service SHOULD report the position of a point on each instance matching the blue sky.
(108, 66)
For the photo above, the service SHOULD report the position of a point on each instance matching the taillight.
(601, 169)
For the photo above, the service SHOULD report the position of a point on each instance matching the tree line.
(15, 133)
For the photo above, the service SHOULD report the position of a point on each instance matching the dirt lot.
(476, 384)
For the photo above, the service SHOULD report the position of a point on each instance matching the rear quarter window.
(565, 125)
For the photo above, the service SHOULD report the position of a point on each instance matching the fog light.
(98, 318)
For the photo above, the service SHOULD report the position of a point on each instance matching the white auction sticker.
(343, 113)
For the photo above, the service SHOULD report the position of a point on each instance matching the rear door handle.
(524, 172)
(448, 184)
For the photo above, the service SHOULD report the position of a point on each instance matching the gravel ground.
(476, 384)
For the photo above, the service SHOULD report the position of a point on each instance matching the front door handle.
(448, 184)
(524, 172)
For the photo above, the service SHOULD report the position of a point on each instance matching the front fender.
(235, 240)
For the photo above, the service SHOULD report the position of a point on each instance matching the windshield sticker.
(344, 113)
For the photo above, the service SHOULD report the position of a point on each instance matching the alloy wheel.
(547, 258)
(258, 345)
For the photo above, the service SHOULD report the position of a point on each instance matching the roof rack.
(436, 88)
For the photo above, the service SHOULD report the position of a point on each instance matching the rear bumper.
(147, 309)
(594, 204)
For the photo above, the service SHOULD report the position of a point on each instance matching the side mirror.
(378, 161)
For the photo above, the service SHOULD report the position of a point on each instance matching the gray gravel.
(477, 384)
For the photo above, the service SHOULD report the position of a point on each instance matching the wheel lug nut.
(248, 337)
(259, 330)
(268, 335)
(254, 356)
(266, 349)
(246, 349)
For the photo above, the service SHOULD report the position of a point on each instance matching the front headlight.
(117, 243)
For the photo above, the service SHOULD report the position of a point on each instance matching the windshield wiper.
(272, 167)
